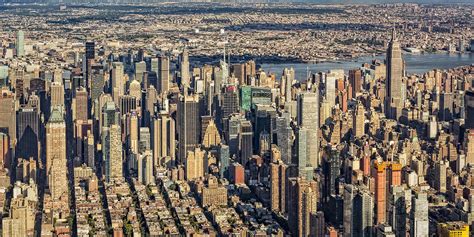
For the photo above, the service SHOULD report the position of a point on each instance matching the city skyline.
(243, 120)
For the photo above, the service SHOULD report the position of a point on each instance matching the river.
(415, 63)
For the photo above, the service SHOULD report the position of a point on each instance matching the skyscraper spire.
(394, 34)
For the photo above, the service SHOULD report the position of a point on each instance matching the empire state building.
(395, 85)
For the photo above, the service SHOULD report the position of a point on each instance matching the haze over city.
(242, 118)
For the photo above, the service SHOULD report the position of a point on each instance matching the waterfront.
(415, 63)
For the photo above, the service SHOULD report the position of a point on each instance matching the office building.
(163, 140)
(90, 50)
(302, 204)
(163, 75)
(57, 95)
(211, 136)
(8, 115)
(469, 109)
(145, 168)
(188, 124)
(28, 130)
(308, 118)
(195, 164)
(358, 125)
(20, 43)
(81, 104)
(56, 155)
(394, 80)
(117, 81)
(419, 222)
(246, 142)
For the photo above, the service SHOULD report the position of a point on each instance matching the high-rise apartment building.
(184, 66)
(112, 152)
(278, 177)
(379, 173)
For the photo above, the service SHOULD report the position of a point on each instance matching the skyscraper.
(355, 79)
(287, 81)
(224, 160)
(302, 204)
(112, 152)
(90, 50)
(419, 223)
(133, 134)
(308, 118)
(380, 174)
(110, 114)
(118, 83)
(144, 143)
(188, 124)
(394, 79)
(278, 186)
(163, 140)
(145, 168)
(358, 126)
(57, 95)
(80, 104)
(211, 136)
(20, 43)
(8, 115)
(28, 133)
(4, 151)
(195, 164)
(469, 109)
(363, 218)
(97, 83)
(140, 69)
(184, 66)
(163, 75)
(348, 212)
(332, 169)
(397, 211)
(56, 167)
(284, 138)
(246, 142)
